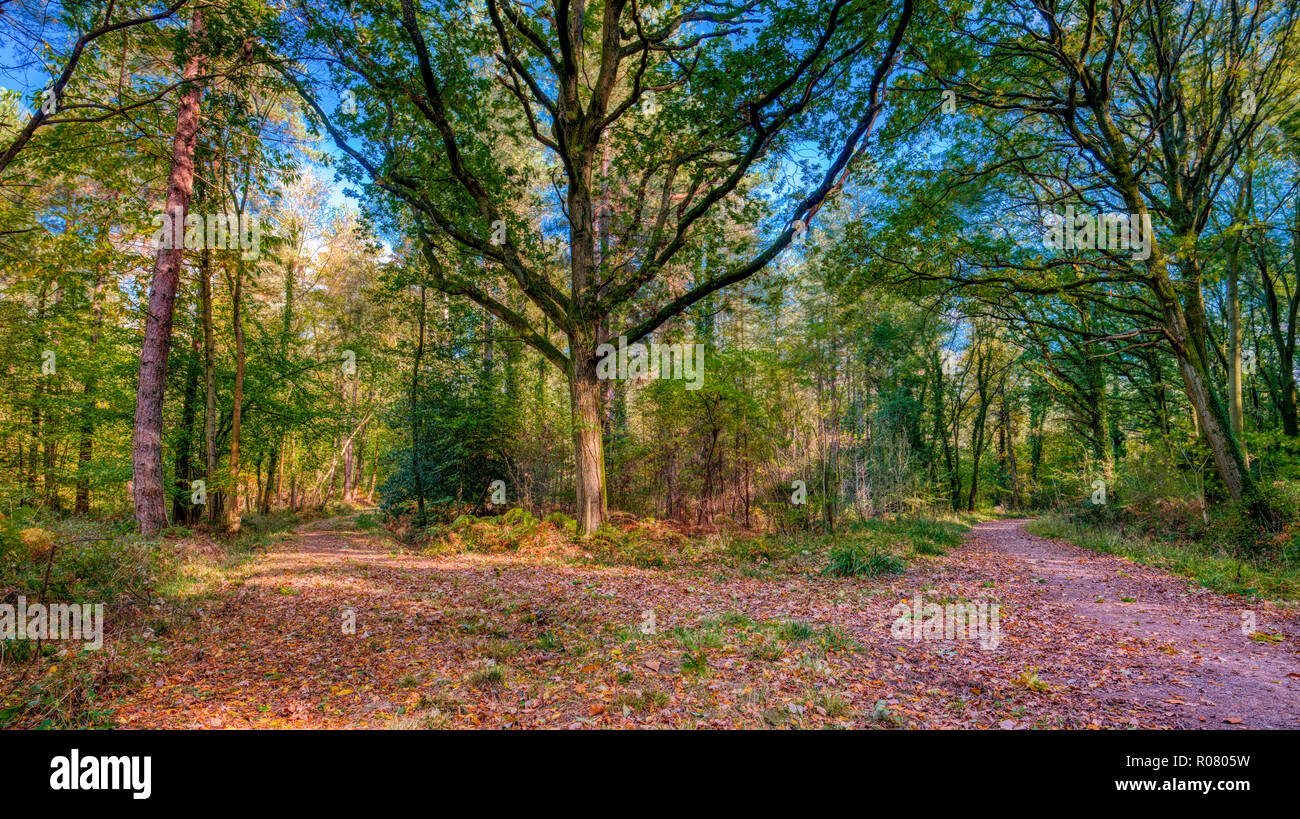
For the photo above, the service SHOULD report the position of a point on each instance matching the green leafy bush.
(854, 559)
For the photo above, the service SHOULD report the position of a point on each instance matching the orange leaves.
(569, 650)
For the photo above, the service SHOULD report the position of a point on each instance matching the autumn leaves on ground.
(511, 623)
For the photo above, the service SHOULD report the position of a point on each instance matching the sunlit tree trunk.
(588, 440)
(146, 443)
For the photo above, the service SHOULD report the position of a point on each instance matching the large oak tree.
(633, 132)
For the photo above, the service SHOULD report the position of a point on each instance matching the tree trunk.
(1211, 416)
(1185, 330)
(264, 506)
(359, 450)
(182, 509)
(1234, 337)
(50, 450)
(351, 477)
(232, 521)
(146, 439)
(209, 383)
(588, 443)
(1007, 446)
(1282, 327)
(279, 472)
(1098, 421)
(293, 477)
(258, 484)
(977, 433)
(417, 479)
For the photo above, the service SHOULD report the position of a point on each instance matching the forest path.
(334, 627)
(1208, 672)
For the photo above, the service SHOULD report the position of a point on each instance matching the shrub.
(491, 678)
(519, 516)
(794, 631)
(696, 663)
(562, 522)
(854, 559)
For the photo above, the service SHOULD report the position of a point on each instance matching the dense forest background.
(990, 307)
(911, 343)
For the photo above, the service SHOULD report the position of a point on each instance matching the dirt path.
(1212, 675)
(538, 639)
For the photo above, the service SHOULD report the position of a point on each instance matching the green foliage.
(464, 425)
(853, 559)
(1214, 559)
(795, 631)
(918, 351)
(696, 664)
(563, 522)
(44, 558)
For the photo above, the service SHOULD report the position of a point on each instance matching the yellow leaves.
(1266, 637)
(35, 537)
(39, 542)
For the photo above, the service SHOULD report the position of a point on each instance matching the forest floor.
(527, 640)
